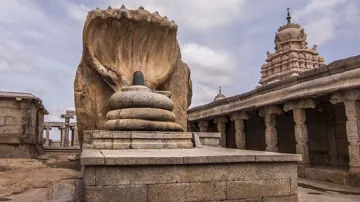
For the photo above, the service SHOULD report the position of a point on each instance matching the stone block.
(116, 193)
(2, 120)
(293, 186)
(220, 190)
(10, 138)
(122, 144)
(327, 175)
(24, 104)
(257, 188)
(166, 192)
(292, 198)
(89, 175)
(11, 129)
(199, 191)
(261, 171)
(118, 175)
(210, 141)
(270, 157)
(13, 112)
(88, 137)
(103, 143)
(92, 157)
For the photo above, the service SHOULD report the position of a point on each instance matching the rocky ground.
(55, 178)
(50, 178)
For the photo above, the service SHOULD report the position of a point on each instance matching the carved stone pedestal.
(186, 173)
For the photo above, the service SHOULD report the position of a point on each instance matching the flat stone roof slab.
(181, 156)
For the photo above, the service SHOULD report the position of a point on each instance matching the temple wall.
(21, 123)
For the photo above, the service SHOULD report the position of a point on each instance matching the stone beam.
(299, 104)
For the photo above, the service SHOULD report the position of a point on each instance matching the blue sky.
(224, 42)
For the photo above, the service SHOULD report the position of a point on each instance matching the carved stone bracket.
(269, 110)
(203, 125)
(239, 116)
(299, 104)
(345, 96)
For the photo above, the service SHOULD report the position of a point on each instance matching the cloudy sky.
(223, 41)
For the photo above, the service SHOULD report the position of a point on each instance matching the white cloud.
(209, 70)
(324, 19)
(197, 15)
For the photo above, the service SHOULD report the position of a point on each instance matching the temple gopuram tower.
(292, 56)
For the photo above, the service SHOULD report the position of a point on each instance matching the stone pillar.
(221, 127)
(238, 119)
(269, 114)
(203, 125)
(62, 136)
(301, 132)
(352, 110)
(47, 141)
(76, 137)
(67, 116)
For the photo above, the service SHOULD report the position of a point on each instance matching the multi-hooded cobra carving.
(118, 42)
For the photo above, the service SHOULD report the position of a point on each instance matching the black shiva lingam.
(138, 108)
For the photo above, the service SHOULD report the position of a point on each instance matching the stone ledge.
(181, 156)
(104, 139)
(208, 134)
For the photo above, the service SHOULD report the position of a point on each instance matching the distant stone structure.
(315, 113)
(291, 57)
(21, 125)
(48, 126)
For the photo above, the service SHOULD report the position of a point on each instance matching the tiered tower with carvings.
(292, 56)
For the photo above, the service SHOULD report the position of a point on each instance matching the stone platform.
(198, 174)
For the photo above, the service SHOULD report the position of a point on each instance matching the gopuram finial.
(219, 89)
(288, 18)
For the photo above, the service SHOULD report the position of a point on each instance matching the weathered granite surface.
(105, 68)
(206, 174)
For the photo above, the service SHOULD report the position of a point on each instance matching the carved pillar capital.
(350, 95)
(239, 116)
(269, 110)
(203, 125)
(299, 104)
(221, 119)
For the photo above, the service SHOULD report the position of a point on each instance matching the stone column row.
(352, 109)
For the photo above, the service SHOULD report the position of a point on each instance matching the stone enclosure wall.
(21, 128)
(202, 182)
